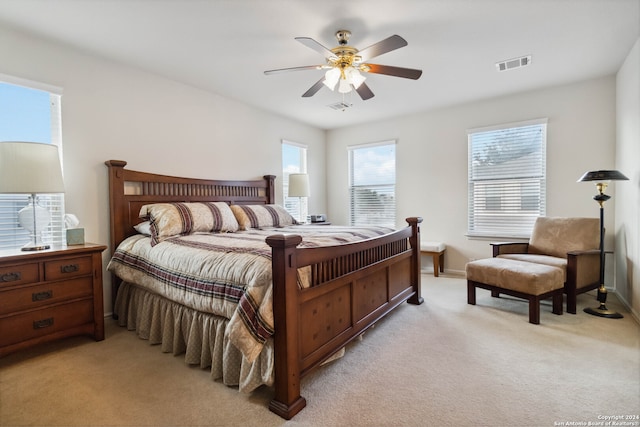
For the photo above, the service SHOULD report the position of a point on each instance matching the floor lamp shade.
(31, 168)
(603, 175)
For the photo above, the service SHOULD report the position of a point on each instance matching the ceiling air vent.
(510, 64)
(340, 106)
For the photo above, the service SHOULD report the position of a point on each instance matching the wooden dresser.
(50, 294)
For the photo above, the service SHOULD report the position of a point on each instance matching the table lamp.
(299, 187)
(31, 168)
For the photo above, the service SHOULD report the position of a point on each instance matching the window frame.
(298, 207)
(389, 219)
(12, 236)
(525, 186)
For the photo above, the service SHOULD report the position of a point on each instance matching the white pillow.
(143, 228)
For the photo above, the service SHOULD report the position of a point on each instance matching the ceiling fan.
(346, 63)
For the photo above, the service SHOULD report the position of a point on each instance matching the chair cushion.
(556, 236)
(553, 261)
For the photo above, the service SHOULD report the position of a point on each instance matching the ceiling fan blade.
(407, 73)
(387, 45)
(311, 43)
(284, 70)
(364, 92)
(314, 89)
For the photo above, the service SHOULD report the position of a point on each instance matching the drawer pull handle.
(11, 277)
(44, 323)
(69, 268)
(41, 296)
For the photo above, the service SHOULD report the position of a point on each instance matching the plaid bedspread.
(226, 274)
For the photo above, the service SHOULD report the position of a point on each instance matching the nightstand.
(50, 294)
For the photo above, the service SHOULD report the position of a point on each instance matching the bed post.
(116, 209)
(271, 188)
(116, 199)
(414, 240)
(287, 400)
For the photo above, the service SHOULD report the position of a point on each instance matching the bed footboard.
(352, 287)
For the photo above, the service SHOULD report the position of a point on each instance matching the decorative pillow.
(258, 216)
(173, 219)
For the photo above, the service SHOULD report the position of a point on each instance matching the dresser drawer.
(31, 297)
(37, 323)
(19, 274)
(67, 267)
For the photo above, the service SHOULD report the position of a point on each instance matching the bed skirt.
(199, 336)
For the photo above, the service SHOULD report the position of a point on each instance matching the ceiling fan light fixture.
(331, 78)
(345, 86)
(354, 77)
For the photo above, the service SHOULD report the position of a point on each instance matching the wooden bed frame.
(353, 285)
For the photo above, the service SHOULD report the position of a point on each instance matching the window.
(294, 160)
(507, 178)
(29, 111)
(372, 184)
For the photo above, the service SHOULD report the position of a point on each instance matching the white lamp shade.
(30, 168)
(356, 78)
(299, 185)
(344, 86)
(331, 78)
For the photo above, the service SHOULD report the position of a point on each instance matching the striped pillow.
(175, 219)
(259, 216)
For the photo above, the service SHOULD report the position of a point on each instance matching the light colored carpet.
(444, 363)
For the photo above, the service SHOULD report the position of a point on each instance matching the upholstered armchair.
(571, 244)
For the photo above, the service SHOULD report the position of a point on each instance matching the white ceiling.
(225, 45)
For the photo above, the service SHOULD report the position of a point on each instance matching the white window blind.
(29, 111)
(294, 160)
(372, 184)
(507, 179)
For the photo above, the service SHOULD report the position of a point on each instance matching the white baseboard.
(625, 303)
(457, 273)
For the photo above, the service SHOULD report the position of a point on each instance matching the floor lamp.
(31, 168)
(601, 178)
(299, 187)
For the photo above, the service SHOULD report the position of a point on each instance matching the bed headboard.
(129, 190)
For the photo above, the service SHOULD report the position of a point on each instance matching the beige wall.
(432, 159)
(114, 112)
(627, 201)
